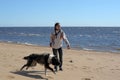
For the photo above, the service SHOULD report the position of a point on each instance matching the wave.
(25, 34)
(116, 32)
(89, 36)
(14, 42)
(29, 34)
(88, 49)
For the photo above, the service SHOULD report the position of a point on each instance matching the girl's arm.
(51, 39)
(66, 40)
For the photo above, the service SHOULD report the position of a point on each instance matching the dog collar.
(50, 58)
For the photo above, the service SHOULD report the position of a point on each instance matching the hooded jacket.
(56, 39)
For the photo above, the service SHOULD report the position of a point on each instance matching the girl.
(56, 40)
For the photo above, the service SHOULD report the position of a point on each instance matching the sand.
(78, 64)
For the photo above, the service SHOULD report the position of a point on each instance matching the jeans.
(60, 52)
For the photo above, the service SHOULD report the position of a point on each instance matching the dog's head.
(54, 60)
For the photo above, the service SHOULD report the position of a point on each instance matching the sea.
(105, 39)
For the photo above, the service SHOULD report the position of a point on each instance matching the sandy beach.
(78, 64)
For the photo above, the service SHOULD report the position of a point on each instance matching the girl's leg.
(60, 57)
(55, 53)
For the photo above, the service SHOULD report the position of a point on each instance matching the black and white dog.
(45, 59)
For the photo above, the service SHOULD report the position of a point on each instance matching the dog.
(44, 59)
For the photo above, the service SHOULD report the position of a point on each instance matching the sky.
(66, 12)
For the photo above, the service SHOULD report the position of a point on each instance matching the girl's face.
(57, 27)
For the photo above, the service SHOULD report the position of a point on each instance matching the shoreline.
(35, 45)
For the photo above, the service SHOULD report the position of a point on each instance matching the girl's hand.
(50, 44)
(68, 47)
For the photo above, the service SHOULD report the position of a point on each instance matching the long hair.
(56, 33)
(56, 24)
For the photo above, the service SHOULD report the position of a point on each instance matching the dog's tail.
(26, 58)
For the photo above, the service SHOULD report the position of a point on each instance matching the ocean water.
(87, 38)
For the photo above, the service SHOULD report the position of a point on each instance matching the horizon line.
(62, 26)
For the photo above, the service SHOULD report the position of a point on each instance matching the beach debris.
(86, 79)
(71, 61)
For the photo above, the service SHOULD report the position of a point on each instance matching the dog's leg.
(45, 71)
(27, 67)
(48, 67)
(23, 67)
